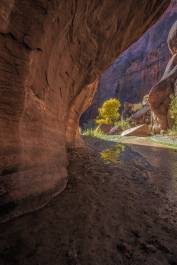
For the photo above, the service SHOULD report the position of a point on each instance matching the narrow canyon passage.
(119, 208)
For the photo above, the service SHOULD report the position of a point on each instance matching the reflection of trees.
(112, 154)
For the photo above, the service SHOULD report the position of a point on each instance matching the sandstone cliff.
(159, 96)
(140, 67)
(51, 54)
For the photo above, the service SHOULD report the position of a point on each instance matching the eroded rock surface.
(51, 53)
(140, 130)
(139, 68)
(159, 96)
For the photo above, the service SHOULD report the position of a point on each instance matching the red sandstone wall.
(139, 68)
(50, 54)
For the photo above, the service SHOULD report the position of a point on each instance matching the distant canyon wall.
(140, 67)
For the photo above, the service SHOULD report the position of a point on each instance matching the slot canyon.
(52, 55)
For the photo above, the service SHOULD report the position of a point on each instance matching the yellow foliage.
(109, 112)
(103, 121)
(112, 155)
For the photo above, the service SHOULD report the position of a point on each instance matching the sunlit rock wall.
(159, 96)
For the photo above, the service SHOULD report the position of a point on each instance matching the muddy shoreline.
(109, 214)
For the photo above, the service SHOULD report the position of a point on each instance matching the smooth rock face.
(139, 68)
(159, 96)
(51, 54)
(140, 130)
(143, 65)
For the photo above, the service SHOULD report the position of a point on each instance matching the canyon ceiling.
(51, 56)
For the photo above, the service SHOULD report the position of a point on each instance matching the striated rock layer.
(139, 68)
(51, 54)
(144, 63)
(159, 96)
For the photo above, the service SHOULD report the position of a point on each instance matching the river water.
(161, 161)
(119, 208)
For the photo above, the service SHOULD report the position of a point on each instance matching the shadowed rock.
(51, 54)
(159, 96)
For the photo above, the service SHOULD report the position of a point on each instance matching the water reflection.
(112, 155)
(152, 165)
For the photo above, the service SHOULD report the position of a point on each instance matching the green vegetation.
(166, 141)
(109, 112)
(173, 111)
(123, 125)
(93, 132)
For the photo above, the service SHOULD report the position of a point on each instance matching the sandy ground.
(122, 210)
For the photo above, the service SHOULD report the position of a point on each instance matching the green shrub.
(109, 112)
(123, 125)
(173, 111)
(93, 132)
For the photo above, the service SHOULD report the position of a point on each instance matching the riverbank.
(170, 141)
(160, 141)
(119, 207)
